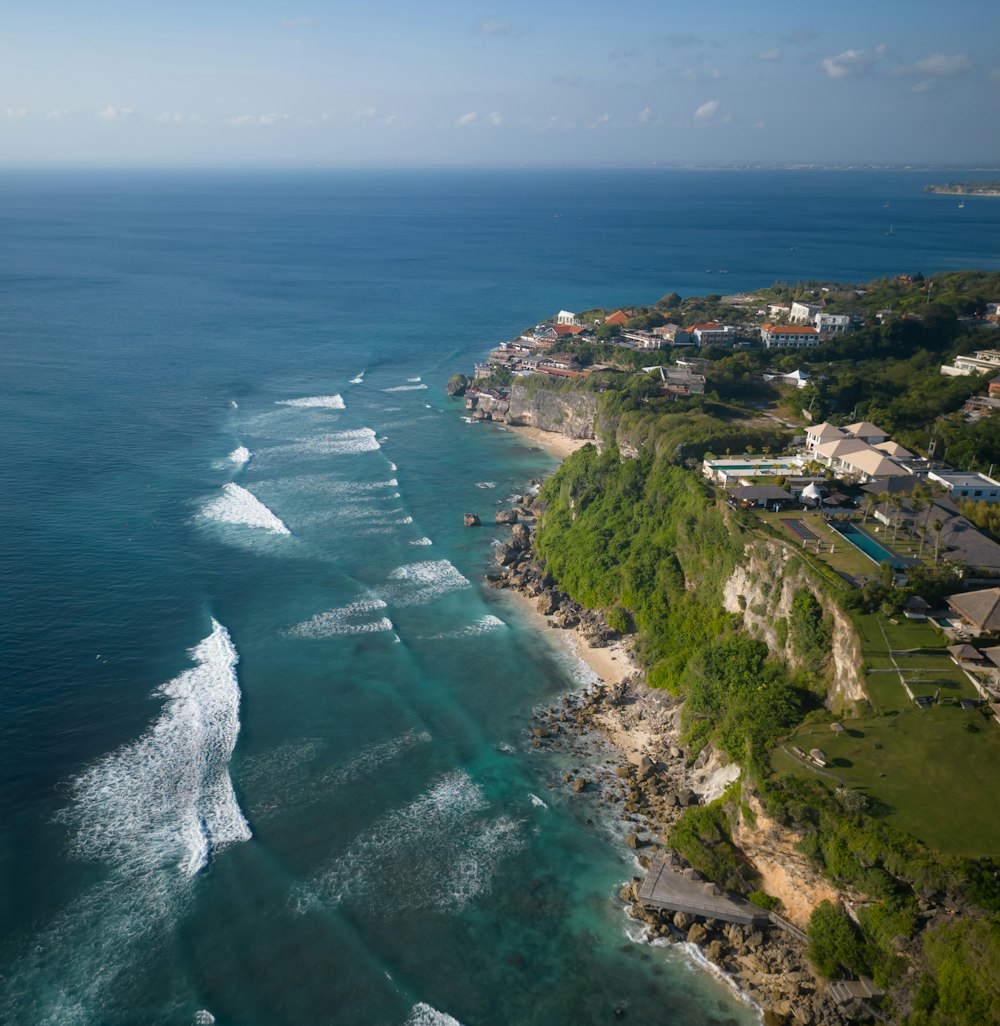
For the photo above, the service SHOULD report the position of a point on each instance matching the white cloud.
(327, 115)
(922, 87)
(495, 117)
(760, 124)
(259, 119)
(849, 64)
(943, 65)
(467, 119)
(769, 55)
(299, 23)
(600, 122)
(706, 110)
(366, 112)
(115, 113)
(177, 118)
(56, 115)
(644, 115)
(15, 113)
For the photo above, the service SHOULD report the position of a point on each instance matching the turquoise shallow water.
(264, 730)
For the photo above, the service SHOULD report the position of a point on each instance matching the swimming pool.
(867, 544)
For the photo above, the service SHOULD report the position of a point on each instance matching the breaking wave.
(345, 620)
(373, 756)
(359, 379)
(437, 852)
(315, 402)
(417, 378)
(486, 484)
(167, 798)
(405, 388)
(484, 625)
(424, 1015)
(418, 583)
(421, 541)
(154, 812)
(236, 505)
(241, 456)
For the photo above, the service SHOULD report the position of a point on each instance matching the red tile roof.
(789, 329)
(568, 329)
(616, 318)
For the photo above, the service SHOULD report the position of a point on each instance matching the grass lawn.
(930, 771)
(845, 558)
(925, 772)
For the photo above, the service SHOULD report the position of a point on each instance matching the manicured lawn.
(925, 772)
(845, 558)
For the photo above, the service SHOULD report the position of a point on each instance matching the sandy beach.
(552, 442)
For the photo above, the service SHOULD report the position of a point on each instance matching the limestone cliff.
(567, 413)
(762, 588)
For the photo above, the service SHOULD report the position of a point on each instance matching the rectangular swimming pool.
(867, 544)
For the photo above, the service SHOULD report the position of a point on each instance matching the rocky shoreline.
(647, 786)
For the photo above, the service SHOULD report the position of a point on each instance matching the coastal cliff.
(567, 413)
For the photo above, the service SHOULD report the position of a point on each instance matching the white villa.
(984, 360)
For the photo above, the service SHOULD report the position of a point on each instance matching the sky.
(499, 82)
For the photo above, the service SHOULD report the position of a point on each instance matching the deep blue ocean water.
(264, 730)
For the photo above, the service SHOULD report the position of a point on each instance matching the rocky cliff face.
(762, 590)
(567, 413)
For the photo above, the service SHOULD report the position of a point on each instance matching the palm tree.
(897, 505)
(868, 504)
(938, 528)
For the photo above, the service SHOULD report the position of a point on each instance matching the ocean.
(265, 732)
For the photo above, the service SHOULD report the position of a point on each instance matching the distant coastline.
(984, 188)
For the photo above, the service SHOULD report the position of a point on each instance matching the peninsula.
(983, 188)
(783, 523)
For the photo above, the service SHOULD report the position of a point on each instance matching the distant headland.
(989, 187)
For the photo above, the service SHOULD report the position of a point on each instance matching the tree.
(834, 943)
(938, 528)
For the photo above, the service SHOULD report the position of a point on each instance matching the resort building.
(712, 334)
(673, 334)
(679, 381)
(789, 336)
(820, 433)
(618, 317)
(831, 324)
(977, 487)
(979, 609)
(803, 313)
(642, 339)
(565, 317)
(867, 432)
(985, 360)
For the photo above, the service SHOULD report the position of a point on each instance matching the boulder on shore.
(506, 516)
(457, 384)
(472, 520)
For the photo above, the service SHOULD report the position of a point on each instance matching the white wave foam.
(372, 757)
(437, 852)
(405, 388)
(337, 443)
(167, 798)
(153, 811)
(359, 379)
(486, 484)
(412, 380)
(484, 625)
(470, 420)
(203, 1017)
(392, 467)
(536, 801)
(238, 506)
(241, 456)
(315, 402)
(405, 520)
(424, 1015)
(421, 541)
(344, 620)
(417, 583)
